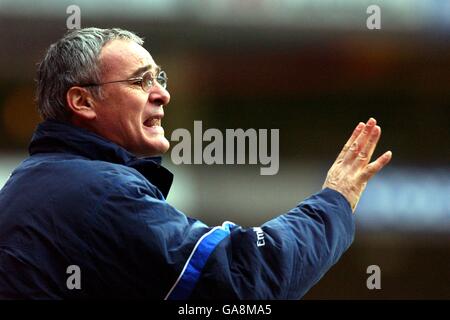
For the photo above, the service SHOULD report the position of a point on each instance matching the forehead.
(122, 58)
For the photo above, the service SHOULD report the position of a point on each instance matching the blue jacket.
(82, 200)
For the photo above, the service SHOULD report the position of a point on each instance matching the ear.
(80, 101)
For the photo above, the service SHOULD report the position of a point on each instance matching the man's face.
(127, 115)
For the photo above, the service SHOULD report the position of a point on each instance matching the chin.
(154, 147)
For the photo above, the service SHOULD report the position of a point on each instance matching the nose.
(159, 96)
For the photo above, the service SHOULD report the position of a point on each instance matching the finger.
(360, 141)
(367, 150)
(352, 138)
(376, 166)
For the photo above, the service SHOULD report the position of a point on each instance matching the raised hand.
(351, 171)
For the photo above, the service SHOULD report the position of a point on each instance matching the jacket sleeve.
(285, 257)
(159, 252)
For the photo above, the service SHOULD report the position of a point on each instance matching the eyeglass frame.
(141, 79)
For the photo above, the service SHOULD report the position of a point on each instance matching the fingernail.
(371, 122)
(388, 154)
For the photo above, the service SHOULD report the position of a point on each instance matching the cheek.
(125, 107)
(133, 103)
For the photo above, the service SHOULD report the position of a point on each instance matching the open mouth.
(153, 125)
(152, 122)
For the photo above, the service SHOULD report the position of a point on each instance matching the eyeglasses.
(146, 81)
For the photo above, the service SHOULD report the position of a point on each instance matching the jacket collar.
(52, 136)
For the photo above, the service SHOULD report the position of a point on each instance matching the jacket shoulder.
(78, 173)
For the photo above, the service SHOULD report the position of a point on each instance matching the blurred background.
(311, 69)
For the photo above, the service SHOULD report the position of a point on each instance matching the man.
(91, 196)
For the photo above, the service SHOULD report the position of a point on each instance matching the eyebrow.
(143, 69)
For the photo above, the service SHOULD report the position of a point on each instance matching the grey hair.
(73, 60)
